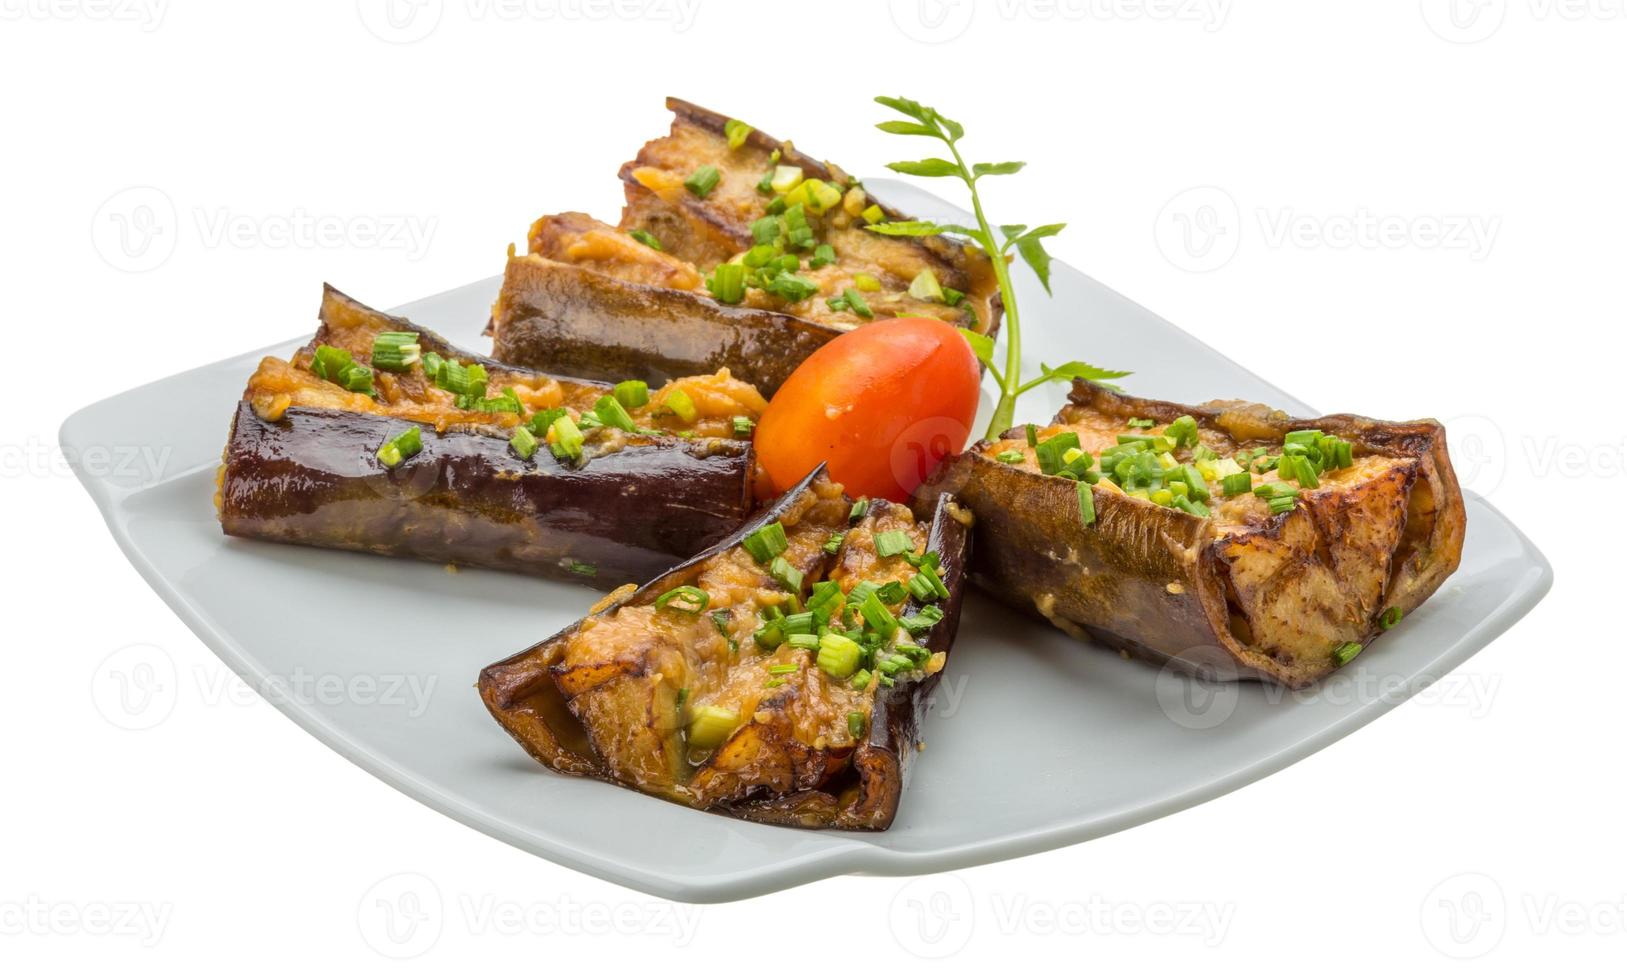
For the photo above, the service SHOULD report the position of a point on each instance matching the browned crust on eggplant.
(562, 318)
(1153, 581)
(311, 477)
(523, 695)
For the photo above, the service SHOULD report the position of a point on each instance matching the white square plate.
(1110, 743)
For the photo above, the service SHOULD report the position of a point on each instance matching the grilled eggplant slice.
(1275, 581)
(303, 461)
(592, 300)
(700, 687)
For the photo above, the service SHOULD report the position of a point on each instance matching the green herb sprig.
(1029, 243)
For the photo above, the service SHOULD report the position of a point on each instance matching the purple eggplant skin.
(521, 695)
(569, 320)
(313, 477)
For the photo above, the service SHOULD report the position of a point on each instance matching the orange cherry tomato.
(880, 406)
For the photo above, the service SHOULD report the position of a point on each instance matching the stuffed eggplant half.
(379, 436)
(734, 249)
(1225, 538)
(780, 676)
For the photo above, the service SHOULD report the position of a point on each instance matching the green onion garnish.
(567, 438)
(645, 238)
(1302, 437)
(712, 726)
(860, 508)
(922, 620)
(786, 575)
(1141, 423)
(1236, 484)
(1051, 452)
(1011, 456)
(695, 599)
(743, 424)
(925, 287)
(861, 680)
(890, 593)
(838, 655)
(1345, 652)
(823, 255)
(396, 350)
(611, 413)
(727, 283)
(584, 569)
(736, 132)
(833, 544)
(889, 543)
(524, 442)
(783, 668)
(1087, 506)
(855, 302)
(632, 394)
(864, 282)
(1032, 432)
(766, 542)
(681, 405)
(702, 181)
(1391, 617)
(855, 723)
(401, 447)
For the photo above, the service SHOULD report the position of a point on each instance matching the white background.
(1406, 214)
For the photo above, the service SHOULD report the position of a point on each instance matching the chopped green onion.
(396, 350)
(856, 302)
(540, 422)
(1184, 431)
(802, 641)
(1281, 505)
(833, 544)
(1391, 617)
(861, 680)
(1345, 652)
(727, 283)
(736, 132)
(838, 655)
(1141, 423)
(766, 542)
(860, 508)
(864, 282)
(1236, 484)
(925, 287)
(1302, 437)
(927, 581)
(401, 447)
(785, 574)
(711, 726)
(681, 405)
(646, 239)
(743, 424)
(524, 442)
(873, 214)
(823, 255)
(1051, 452)
(890, 543)
(922, 620)
(1011, 456)
(876, 613)
(432, 364)
(701, 182)
(784, 179)
(583, 568)
(356, 377)
(327, 362)
(769, 636)
(1032, 432)
(798, 233)
(611, 413)
(632, 394)
(1191, 507)
(855, 724)
(567, 438)
(697, 600)
(1087, 505)
(783, 669)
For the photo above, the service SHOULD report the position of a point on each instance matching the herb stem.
(1005, 410)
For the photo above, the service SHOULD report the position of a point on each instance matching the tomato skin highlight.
(880, 405)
